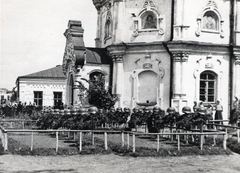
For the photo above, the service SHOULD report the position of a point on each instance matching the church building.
(159, 53)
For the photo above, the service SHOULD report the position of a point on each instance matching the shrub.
(1, 147)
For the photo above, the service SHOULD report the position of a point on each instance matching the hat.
(186, 109)
(201, 111)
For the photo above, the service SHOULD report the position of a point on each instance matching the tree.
(97, 94)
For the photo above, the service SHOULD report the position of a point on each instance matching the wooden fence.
(4, 136)
(13, 122)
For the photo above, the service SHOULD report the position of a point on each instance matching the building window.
(208, 84)
(57, 98)
(38, 98)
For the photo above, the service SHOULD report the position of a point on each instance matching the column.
(184, 75)
(97, 39)
(236, 82)
(114, 76)
(119, 78)
(176, 75)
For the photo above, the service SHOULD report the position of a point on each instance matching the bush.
(1, 147)
(233, 145)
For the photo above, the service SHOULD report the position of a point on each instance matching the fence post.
(11, 124)
(23, 124)
(225, 141)
(178, 138)
(56, 141)
(157, 143)
(31, 147)
(122, 139)
(92, 138)
(80, 141)
(127, 140)
(2, 137)
(201, 141)
(5, 141)
(105, 140)
(134, 149)
(238, 131)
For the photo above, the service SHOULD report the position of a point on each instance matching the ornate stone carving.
(180, 56)
(117, 58)
(74, 55)
(69, 56)
(148, 4)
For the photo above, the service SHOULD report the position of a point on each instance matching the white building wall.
(28, 86)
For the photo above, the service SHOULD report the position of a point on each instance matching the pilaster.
(118, 77)
(236, 82)
(180, 60)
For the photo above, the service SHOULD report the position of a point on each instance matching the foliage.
(1, 147)
(233, 145)
(97, 94)
(14, 95)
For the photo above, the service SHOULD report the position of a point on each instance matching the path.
(117, 164)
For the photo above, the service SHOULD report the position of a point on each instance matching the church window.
(208, 82)
(97, 82)
(38, 98)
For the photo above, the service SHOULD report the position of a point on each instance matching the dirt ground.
(113, 163)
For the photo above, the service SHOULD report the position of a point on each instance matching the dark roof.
(97, 56)
(55, 72)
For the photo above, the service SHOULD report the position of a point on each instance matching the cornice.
(197, 47)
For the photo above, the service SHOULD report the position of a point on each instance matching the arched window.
(208, 85)
(210, 21)
(97, 79)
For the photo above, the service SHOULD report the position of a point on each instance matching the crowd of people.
(155, 119)
(18, 109)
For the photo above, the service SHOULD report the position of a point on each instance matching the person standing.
(219, 110)
(234, 115)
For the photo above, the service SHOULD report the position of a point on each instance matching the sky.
(32, 37)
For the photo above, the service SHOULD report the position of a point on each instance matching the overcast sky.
(32, 34)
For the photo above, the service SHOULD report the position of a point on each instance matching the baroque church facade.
(159, 53)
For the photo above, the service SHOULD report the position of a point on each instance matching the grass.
(15, 147)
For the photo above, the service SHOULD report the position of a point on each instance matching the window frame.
(55, 100)
(206, 88)
(38, 99)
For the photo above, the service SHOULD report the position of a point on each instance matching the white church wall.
(191, 18)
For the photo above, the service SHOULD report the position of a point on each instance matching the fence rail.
(4, 135)
(20, 121)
